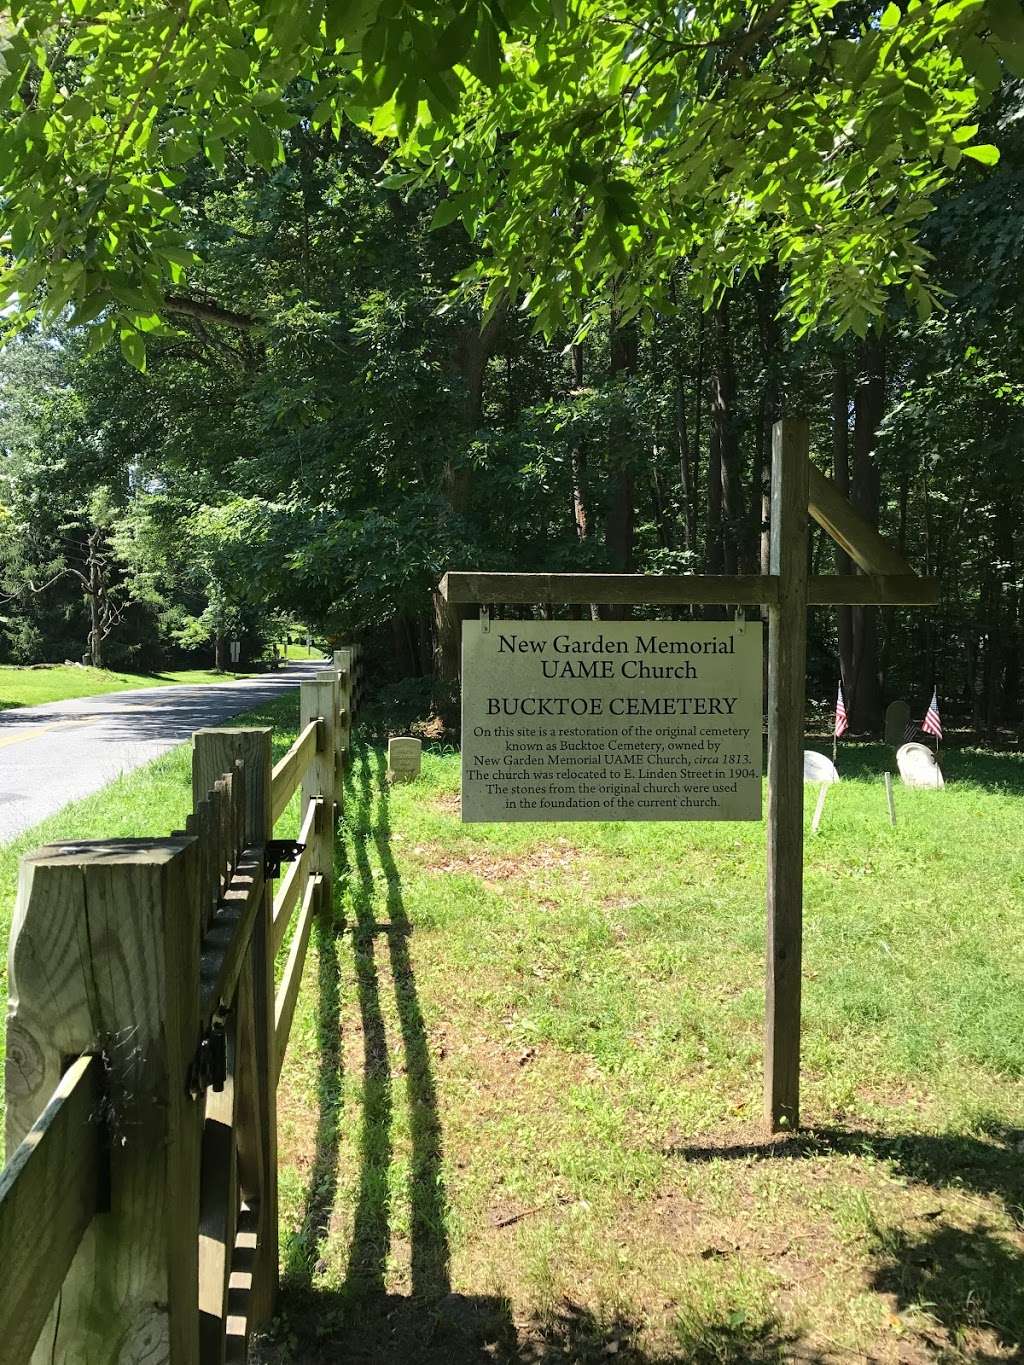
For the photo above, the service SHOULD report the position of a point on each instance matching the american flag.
(931, 724)
(842, 722)
(910, 731)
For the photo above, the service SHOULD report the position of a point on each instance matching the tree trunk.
(619, 526)
(578, 458)
(723, 399)
(769, 412)
(687, 486)
(95, 591)
(865, 703)
(841, 474)
(471, 355)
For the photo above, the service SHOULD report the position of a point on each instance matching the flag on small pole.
(842, 721)
(932, 724)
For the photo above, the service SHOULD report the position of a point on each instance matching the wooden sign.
(639, 720)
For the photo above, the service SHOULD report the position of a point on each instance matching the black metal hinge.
(278, 851)
(209, 1068)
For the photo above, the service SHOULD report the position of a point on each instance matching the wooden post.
(889, 799)
(333, 677)
(317, 700)
(819, 808)
(787, 652)
(104, 958)
(215, 752)
(343, 660)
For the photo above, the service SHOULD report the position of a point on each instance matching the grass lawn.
(61, 682)
(520, 1113)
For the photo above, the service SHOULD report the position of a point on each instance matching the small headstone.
(918, 766)
(897, 718)
(818, 768)
(404, 754)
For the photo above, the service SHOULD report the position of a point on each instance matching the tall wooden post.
(343, 660)
(215, 751)
(316, 699)
(104, 958)
(787, 657)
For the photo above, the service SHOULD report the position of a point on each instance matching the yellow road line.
(33, 731)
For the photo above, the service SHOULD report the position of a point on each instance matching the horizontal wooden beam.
(835, 514)
(49, 1192)
(288, 991)
(288, 771)
(623, 589)
(889, 590)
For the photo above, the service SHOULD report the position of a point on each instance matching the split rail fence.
(146, 1032)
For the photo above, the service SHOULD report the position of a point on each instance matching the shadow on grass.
(962, 1287)
(303, 1254)
(473, 1330)
(360, 1321)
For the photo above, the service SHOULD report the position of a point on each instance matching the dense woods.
(323, 428)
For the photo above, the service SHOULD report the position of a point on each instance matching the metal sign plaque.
(611, 720)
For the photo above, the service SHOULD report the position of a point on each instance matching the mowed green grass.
(61, 682)
(523, 1116)
(520, 1113)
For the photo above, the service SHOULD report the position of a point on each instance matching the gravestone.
(897, 718)
(609, 720)
(918, 766)
(818, 768)
(404, 755)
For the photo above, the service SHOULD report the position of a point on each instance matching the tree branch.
(209, 312)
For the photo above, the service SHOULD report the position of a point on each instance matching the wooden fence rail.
(145, 1038)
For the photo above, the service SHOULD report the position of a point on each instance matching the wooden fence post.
(317, 700)
(104, 958)
(787, 654)
(215, 752)
(343, 660)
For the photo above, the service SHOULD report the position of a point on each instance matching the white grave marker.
(611, 720)
(404, 755)
(918, 766)
(818, 768)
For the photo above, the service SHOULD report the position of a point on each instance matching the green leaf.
(485, 59)
(454, 41)
(1007, 19)
(891, 16)
(133, 348)
(983, 152)
(446, 212)
(262, 144)
(89, 309)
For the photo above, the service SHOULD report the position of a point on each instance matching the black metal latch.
(278, 851)
(209, 1068)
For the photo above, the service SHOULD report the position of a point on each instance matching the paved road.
(59, 752)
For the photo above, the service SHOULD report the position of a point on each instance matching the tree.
(582, 148)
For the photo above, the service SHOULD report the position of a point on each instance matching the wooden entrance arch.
(798, 488)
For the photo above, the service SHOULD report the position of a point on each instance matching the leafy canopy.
(582, 146)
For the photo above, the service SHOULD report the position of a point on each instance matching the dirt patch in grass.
(560, 858)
